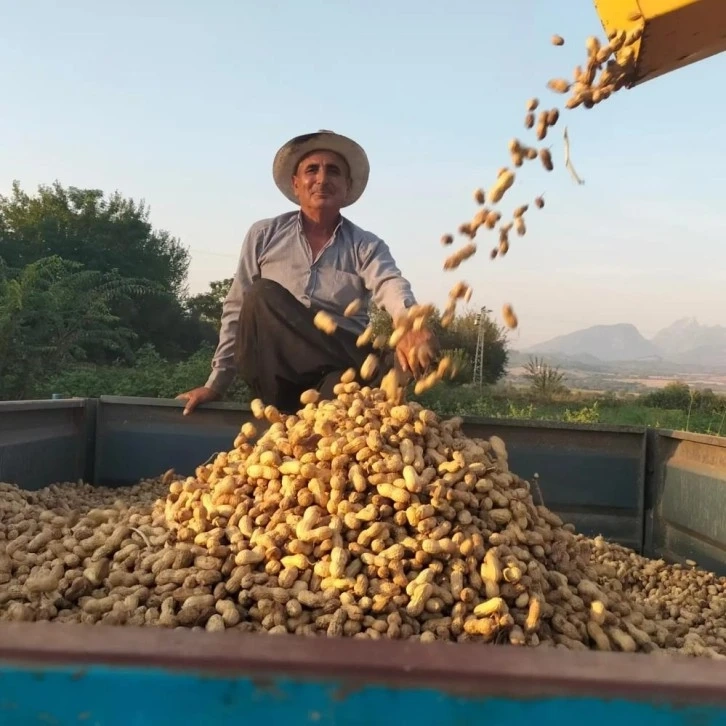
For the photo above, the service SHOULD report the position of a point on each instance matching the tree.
(82, 225)
(107, 233)
(460, 336)
(463, 333)
(52, 312)
(208, 305)
(545, 381)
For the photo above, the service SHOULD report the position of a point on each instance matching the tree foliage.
(107, 234)
(461, 336)
(208, 305)
(54, 312)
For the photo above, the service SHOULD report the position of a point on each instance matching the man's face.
(321, 181)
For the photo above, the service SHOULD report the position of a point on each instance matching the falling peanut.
(558, 40)
(447, 239)
(467, 230)
(559, 85)
(309, 396)
(461, 291)
(502, 184)
(593, 45)
(546, 159)
(353, 308)
(325, 322)
(542, 125)
(493, 219)
(510, 319)
(479, 196)
(369, 367)
(453, 261)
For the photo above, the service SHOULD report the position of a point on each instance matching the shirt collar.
(335, 231)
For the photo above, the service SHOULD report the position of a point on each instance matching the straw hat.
(289, 155)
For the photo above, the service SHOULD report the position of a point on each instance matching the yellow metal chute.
(676, 33)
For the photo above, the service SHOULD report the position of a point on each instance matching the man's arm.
(390, 290)
(248, 270)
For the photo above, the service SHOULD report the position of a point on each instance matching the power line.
(213, 254)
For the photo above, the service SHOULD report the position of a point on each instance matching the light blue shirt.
(355, 264)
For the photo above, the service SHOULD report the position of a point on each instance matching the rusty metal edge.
(170, 403)
(465, 669)
(42, 404)
(468, 420)
(695, 438)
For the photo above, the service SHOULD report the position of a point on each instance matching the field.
(675, 406)
(502, 402)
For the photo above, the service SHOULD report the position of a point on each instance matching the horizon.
(185, 109)
(685, 319)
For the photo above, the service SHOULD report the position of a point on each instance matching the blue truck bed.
(660, 492)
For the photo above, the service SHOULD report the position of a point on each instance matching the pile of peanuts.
(356, 517)
(608, 68)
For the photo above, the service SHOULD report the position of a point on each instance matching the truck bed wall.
(660, 492)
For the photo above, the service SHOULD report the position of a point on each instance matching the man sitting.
(299, 263)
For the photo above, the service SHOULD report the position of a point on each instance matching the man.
(298, 263)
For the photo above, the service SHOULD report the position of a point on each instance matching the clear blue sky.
(184, 104)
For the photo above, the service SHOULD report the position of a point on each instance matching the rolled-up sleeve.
(389, 289)
(224, 369)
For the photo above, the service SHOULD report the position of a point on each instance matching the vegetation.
(94, 301)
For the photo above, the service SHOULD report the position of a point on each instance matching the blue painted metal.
(125, 696)
(591, 476)
(108, 675)
(42, 442)
(143, 437)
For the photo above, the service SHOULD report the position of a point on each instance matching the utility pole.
(479, 356)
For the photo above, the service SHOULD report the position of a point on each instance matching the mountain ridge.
(684, 342)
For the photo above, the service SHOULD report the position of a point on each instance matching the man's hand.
(416, 351)
(197, 396)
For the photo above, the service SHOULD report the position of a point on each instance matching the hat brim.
(289, 156)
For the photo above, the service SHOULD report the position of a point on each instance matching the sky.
(184, 104)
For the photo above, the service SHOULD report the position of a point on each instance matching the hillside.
(683, 344)
(607, 343)
(685, 341)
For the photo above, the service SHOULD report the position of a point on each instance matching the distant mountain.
(685, 341)
(607, 343)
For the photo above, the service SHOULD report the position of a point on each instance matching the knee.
(264, 292)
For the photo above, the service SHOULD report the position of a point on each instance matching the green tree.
(105, 233)
(101, 232)
(52, 312)
(208, 305)
(463, 333)
(461, 336)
